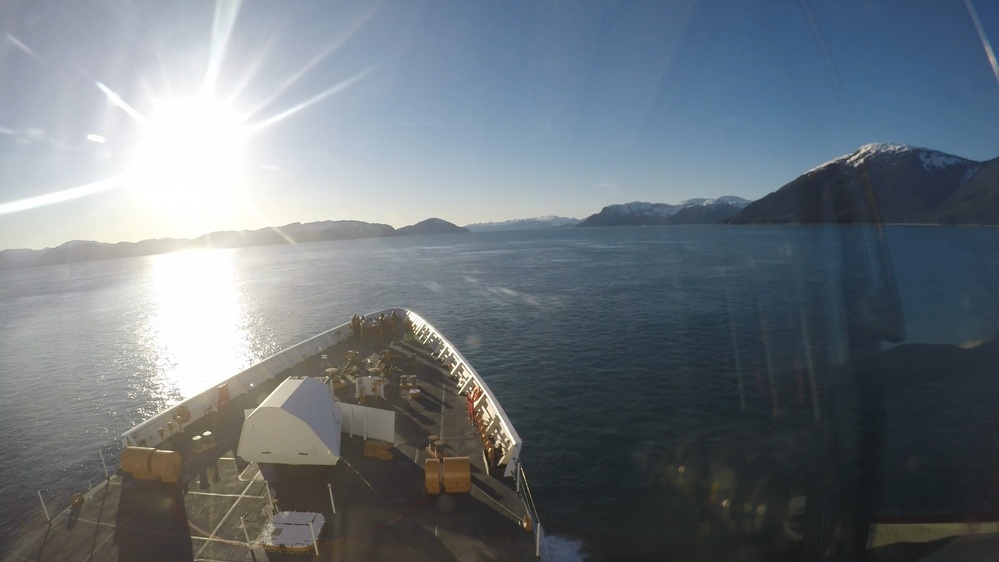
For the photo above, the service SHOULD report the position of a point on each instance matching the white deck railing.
(466, 377)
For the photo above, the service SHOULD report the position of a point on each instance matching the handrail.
(59, 500)
(463, 367)
(532, 510)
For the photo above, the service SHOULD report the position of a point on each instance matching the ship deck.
(382, 509)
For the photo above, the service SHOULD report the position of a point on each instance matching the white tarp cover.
(299, 423)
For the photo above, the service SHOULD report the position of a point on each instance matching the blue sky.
(468, 111)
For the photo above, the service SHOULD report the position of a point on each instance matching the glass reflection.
(197, 331)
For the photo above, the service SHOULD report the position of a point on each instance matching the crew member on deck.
(355, 326)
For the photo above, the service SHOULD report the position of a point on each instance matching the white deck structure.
(299, 423)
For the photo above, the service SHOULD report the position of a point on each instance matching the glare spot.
(190, 159)
(197, 333)
(187, 141)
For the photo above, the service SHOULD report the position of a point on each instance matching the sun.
(189, 158)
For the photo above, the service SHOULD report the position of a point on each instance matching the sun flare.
(190, 155)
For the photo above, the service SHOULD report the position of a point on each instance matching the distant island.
(431, 226)
(878, 183)
(294, 233)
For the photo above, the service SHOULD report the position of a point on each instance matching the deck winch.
(146, 463)
(452, 475)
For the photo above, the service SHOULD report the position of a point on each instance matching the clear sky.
(181, 118)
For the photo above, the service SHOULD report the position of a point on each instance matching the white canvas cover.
(299, 423)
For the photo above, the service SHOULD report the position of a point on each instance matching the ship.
(374, 440)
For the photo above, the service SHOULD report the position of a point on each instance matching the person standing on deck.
(355, 325)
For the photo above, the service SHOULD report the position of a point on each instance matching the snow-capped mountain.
(883, 152)
(689, 211)
(723, 200)
(882, 182)
(536, 223)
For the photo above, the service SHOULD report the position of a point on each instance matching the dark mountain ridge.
(885, 183)
(294, 233)
(432, 226)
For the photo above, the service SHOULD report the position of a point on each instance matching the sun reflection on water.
(198, 328)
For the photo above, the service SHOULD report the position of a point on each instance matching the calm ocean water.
(622, 354)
